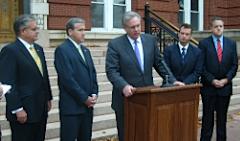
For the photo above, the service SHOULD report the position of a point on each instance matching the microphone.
(166, 82)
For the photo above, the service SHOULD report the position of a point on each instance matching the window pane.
(97, 15)
(119, 1)
(97, 0)
(194, 21)
(194, 5)
(117, 16)
(181, 4)
(180, 17)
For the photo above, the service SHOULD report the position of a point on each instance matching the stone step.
(100, 124)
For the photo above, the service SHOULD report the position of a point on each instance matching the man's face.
(184, 35)
(133, 27)
(30, 33)
(217, 28)
(78, 33)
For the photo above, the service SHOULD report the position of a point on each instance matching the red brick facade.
(61, 10)
(229, 10)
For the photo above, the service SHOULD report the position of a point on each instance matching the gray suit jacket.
(122, 67)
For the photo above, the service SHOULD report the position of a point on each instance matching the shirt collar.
(132, 40)
(26, 44)
(181, 46)
(216, 38)
(74, 43)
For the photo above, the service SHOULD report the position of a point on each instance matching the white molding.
(187, 11)
(40, 8)
(201, 15)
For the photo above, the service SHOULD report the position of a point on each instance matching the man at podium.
(129, 62)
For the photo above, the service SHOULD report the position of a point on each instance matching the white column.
(201, 14)
(40, 9)
(187, 11)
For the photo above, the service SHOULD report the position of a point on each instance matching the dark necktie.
(183, 55)
(137, 53)
(219, 51)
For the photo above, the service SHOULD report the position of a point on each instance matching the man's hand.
(90, 102)
(178, 83)
(21, 116)
(49, 105)
(128, 90)
(219, 83)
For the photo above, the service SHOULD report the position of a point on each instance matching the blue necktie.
(183, 55)
(137, 53)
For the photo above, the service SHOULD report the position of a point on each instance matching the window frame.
(108, 17)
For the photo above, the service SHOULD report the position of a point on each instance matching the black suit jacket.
(76, 78)
(30, 89)
(190, 71)
(122, 67)
(214, 70)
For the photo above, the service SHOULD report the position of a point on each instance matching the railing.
(166, 32)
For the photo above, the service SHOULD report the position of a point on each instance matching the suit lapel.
(144, 45)
(130, 52)
(213, 49)
(76, 52)
(29, 57)
(225, 49)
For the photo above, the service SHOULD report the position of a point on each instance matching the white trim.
(201, 14)
(187, 11)
(108, 17)
(39, 8)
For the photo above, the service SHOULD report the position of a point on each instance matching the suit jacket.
(190, 71)
(214, 70)
(122, 67)
(30, 89)
(76, 78)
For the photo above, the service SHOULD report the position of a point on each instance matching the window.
(191, 11)
(97, 9)
(107, 14)
(194, 14)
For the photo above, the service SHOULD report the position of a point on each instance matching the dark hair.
(128, 16)
(215, 18)
(186, 25)
(71, 22)
(22, 22)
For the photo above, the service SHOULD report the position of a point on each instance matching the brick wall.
(229, 10)
(167, 9)
(61, 10)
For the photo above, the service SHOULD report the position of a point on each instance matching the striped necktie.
(219, 51)
(36, 58)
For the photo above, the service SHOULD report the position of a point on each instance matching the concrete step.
(101, 127)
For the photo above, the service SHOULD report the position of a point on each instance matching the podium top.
(154, 89)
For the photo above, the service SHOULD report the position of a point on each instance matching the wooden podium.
(162, 114)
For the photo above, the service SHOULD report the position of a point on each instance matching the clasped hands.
(91, 101)
(219, 83)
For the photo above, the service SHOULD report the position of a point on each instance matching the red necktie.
(219, 50)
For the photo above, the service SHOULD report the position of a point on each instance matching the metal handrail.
(153, 21)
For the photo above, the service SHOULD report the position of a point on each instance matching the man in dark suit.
(183, 59)
(77, 83)
(129, 62)
(220, 66)
(23, 66)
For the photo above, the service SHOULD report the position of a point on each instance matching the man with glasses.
(23, 66)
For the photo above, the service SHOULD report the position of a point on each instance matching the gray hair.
(22, 22)
(128, 16)
(71, 23)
